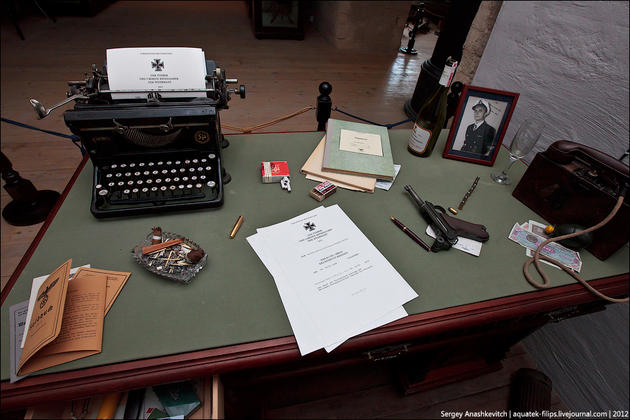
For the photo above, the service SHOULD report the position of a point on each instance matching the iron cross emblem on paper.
(309, 226)
(157, 64)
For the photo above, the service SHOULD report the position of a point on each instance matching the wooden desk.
(230, 318)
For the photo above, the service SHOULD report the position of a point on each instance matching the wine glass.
(524, 140)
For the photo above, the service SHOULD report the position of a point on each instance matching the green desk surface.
(233, 299)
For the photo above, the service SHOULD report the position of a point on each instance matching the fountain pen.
(409, 233)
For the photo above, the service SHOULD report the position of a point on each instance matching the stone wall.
(569, 62)
(477, 39)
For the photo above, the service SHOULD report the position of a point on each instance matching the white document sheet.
(333, 282)
(156, 68)
(17, 321)
(306, 334)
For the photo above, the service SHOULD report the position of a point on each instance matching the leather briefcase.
(573, 183)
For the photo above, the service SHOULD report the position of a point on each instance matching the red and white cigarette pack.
(274, 171)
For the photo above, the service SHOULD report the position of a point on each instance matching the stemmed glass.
(524, 140)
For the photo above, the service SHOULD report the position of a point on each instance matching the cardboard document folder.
(67, 319)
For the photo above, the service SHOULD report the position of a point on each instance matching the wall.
(569, 62)
(476, 40)
(362, 25)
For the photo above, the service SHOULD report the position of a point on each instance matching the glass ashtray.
(170, 262)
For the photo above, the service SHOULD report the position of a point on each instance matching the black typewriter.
(153, 154)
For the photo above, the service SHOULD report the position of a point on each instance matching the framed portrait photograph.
(479, 124)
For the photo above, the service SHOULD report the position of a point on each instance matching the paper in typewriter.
(333, 282)
(155, 69)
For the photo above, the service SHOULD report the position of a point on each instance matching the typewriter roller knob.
(240, 91)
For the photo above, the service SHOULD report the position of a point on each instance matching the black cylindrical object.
(449, 44)
(324, 105)
(530, 391)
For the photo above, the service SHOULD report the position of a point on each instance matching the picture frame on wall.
(280, 19)
(479, 124)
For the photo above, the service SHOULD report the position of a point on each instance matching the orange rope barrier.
(267, 124)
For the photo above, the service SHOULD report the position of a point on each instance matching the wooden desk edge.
(141, 373)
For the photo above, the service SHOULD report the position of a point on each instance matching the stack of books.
(351, 155)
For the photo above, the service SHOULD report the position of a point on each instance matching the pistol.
(446, 228)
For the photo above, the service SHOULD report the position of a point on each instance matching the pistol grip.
(467, 230)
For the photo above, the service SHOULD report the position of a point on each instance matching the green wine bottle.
(432, 115)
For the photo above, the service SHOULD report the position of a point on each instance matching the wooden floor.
(281, 76)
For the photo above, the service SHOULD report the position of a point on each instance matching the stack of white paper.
(334, 284)
(156, 69)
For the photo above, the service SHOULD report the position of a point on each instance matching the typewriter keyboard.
(157, 183)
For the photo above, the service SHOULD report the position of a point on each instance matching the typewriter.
(153, 154)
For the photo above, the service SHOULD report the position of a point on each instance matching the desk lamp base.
(22, 213)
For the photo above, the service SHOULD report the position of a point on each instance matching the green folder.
(363, 163)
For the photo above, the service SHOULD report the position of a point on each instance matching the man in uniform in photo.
(479, 135)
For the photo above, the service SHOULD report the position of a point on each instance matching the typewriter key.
(102, 192)
(163, 188)
(108, 175)
(118, 175)
(169, 163)
(154, 189)
(164, 171)
(184, 178)
(123, 165)
(138, 173)
(132, 165)
(145, 190)
(211, 155)
(176, 179)
(167, 180)
(149, 181)
(181, 186)
(199, 169)
(187, 161)
(114, 166)
(158, 181)
(202, 177)
(98, 186)
(145, 173)
(141, 164)
(120, 183)
(160, 163)
(173, 171)
(135, 191)
(177, 162)
(126, 193)
(172, 188)
(200, 186)
(127, 174)
(139, 182)
(111, 184)
(193, 178)
(189, 186)
(208, 168)
(202, 160)
(192, 169)
(182, 169)
(211, 184)
(129, 182)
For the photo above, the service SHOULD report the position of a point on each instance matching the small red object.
(274, 171)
